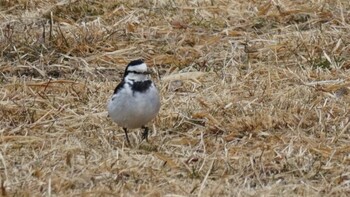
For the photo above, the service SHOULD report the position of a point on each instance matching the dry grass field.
(255, 97)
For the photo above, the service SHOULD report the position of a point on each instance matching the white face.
(137, 72)
(138, 68)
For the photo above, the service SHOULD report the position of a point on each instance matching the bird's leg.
(126, 136)
(144, 135)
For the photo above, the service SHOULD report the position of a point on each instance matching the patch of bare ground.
(255, 98)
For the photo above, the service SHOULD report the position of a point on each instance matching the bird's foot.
(144, 135)
(127, 137)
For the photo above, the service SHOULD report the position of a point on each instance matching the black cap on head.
(132, 63)
(135, 62)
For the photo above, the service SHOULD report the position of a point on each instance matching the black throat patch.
(140, 86)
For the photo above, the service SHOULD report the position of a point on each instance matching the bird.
(135, 101)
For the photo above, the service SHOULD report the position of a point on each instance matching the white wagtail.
(135, 101)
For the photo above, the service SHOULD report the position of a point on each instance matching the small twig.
(51, 24)
(205, 178)
(64, 38)
(5, 166)
(341, 132)
(47, 84)
(43, 35)
(324, 82)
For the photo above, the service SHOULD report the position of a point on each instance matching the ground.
(255, 98)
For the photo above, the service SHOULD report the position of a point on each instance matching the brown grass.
(255, 98)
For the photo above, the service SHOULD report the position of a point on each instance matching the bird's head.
(137, 71)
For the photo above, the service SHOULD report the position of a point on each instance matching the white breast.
(134, 109)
